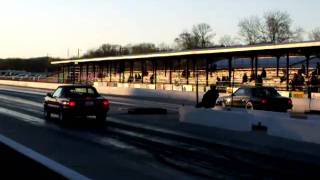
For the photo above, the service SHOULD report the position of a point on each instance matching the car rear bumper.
(276, 108)
(85, 112)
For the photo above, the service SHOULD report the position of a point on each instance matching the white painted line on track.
(23, 91)
(22, 116)
(20, 100)
(49, 163)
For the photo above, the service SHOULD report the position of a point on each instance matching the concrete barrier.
(39, 85)
(216, 118)
(187, 96)
(277, 124)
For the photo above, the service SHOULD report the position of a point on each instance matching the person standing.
(263, 73)
(209, 98)
(245, 78)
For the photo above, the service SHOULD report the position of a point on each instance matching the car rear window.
(265, 92)
(77, 92)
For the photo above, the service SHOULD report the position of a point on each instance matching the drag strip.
(21, 120)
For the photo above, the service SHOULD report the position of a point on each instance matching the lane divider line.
(45, 161)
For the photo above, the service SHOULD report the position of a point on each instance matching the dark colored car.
(76, 101)
(258, 98)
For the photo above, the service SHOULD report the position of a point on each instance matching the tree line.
(41, 64)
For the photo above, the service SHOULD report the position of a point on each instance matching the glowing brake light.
(264, 101)
(72, 104)
(105, 103)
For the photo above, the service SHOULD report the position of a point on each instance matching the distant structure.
(183, 70)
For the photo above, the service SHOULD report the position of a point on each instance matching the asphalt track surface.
(101, 152)
(82, 147)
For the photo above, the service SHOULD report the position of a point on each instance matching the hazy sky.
(32, 28)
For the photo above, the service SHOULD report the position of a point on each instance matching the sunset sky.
(32, 28)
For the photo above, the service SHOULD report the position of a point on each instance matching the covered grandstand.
(197, 69)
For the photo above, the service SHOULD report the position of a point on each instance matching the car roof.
(76, 86)
(251, 87)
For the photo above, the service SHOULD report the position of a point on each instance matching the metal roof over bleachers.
(311, 46)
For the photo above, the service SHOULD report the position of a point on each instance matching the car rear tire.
(249, 106)
(62, 117)
(101, 118)
(46, 114)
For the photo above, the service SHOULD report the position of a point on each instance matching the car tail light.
(105, 103)
(72, 104)
(289, 101)
(264, 101)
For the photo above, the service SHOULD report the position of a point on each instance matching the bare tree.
(278, 27)
(251, 30)
(186, 40)
(143, 48)
(315, 34)
(274, 27)
(228, 40)
(163, 47)
(203, 34)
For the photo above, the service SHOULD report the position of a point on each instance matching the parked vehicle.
(76, 101)
(258, 98)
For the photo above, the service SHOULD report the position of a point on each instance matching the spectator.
(252, 77)
(209, 98)
(284, 77)
(263, 73)
(130, 79)
(295, 81)
(245, 78)
(259, 81)
(302, 70)
(152, 79)
(314, 83)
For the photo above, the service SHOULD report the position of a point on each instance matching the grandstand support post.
(110, 71)
(252, 67)
(63, 74)
(87, 73)
(68, 73)
(142, 70)
(74, 74)
(165, 68)
(197, 83)
(170, 72)
(187, 68)
(94, 71)
(307, 64)
(207, 72)
(230, 68)
(278, 61)
(123, 69)
(287, 73)
(155, 73)
(101, 71)
(131, 68)
(80, 75)
(256, 67)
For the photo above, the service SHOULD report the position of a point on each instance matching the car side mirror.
(49, 94)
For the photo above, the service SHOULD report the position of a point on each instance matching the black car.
(74, 101)
(258, 98)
